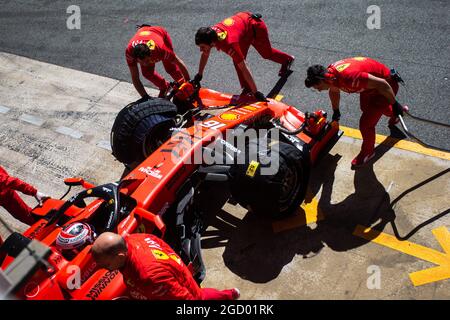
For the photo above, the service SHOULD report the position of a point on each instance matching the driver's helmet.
(75, 237)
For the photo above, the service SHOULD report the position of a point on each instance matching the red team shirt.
(352, 73)
(154, 271)
(233, 33)
(157, 39)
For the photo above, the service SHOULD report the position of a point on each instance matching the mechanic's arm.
(247, 75)
(382, 86)
(203, 61)
(134, 71)
(335, 97)
(8, 182)
(180, 63)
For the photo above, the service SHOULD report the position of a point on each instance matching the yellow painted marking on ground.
(400, 144)
(312, 213)
(441, 272)
(279, 97)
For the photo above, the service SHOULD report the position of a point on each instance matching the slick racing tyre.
(140, 128)
(277, 192)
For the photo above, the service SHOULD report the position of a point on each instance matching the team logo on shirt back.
(228, 22)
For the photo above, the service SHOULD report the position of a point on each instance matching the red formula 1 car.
(170, 148)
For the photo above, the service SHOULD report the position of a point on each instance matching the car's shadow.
(255, 253)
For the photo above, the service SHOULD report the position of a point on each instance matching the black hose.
(412, 136)
(446, 125)
(65, 194)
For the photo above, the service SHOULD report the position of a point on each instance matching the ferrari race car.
(262, 151)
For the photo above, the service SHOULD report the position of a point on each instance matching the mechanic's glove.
(397, 109)
(336, 115)
(144, 98)
(198, 77)
(260, 96)
(163, 91)
(41, 197)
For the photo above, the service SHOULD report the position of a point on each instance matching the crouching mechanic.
(151, 269)
(234, 36)
(10, 200)
(377, 86)
(147, 47)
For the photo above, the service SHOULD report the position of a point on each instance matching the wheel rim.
(153, 140)
(289, 187)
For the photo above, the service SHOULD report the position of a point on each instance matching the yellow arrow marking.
(312, 213)
(418, 278)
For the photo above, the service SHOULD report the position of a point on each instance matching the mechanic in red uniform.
(234, 36)
(10, 200)
(147, 47)
(151, 269)
(378, 88)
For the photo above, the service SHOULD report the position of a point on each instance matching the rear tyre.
(278, 194)
(140, 128)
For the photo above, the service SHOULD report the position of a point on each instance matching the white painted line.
(104, 144)
(69, 132)
(32, 119)
(390, 187)
(4, 109)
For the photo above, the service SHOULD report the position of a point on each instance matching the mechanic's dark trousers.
(261, 43)
(11, 201)
(373, 106)
(214, 294)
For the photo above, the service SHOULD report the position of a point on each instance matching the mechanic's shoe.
(394, 120)
(235, 293)
(286, 67)
(361, 159)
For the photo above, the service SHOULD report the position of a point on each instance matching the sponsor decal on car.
(155, 173)
(106, 189)
(252, 167)
(100, 286)
(228, 116)
(37, 230)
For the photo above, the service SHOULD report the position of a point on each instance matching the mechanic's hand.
(260, 96)
(397, 109)
(41, 197)
(144, 98)
(163, 91)
(198, 77)
(336, 115)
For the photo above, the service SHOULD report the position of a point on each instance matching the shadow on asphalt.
(255, 253)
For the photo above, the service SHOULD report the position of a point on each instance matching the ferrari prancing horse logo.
(151, 45)
(342, 67)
